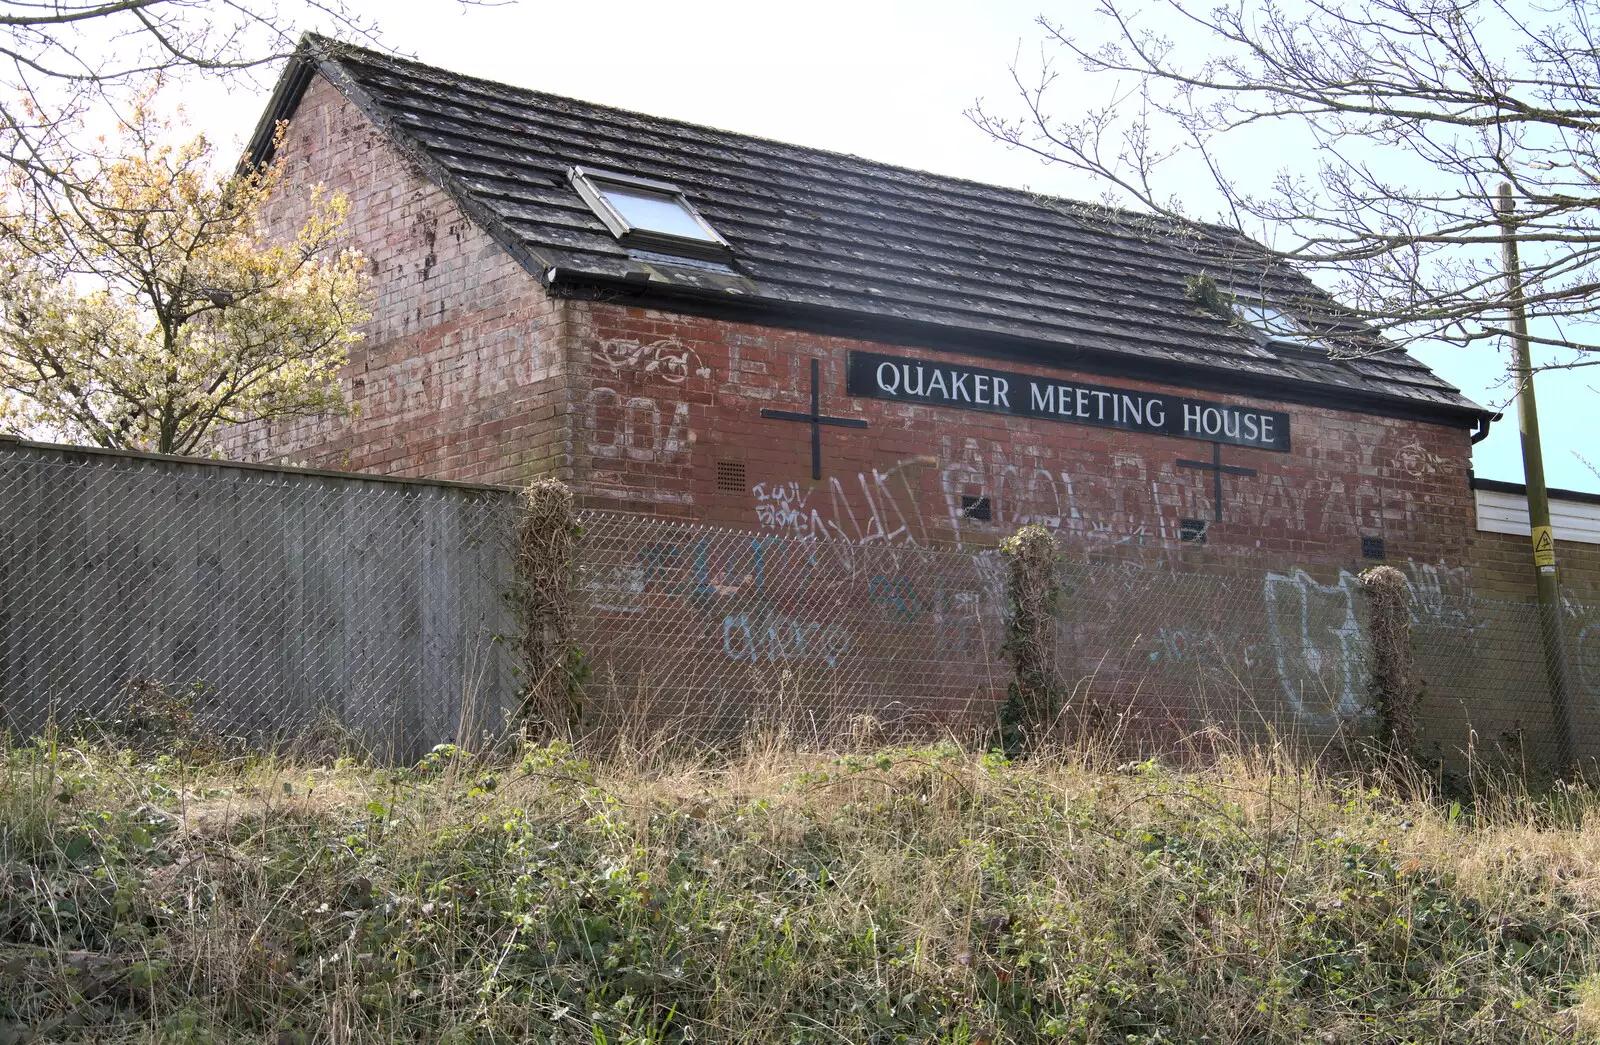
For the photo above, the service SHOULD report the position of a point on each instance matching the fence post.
(545, 567)
(1391, 684)
(1033, 698)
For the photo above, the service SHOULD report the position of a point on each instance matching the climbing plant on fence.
(546, 551)
(1033, 589)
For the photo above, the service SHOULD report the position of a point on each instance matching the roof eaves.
(1521, 490)
(575, 283)
(319, 54)
(286, 95)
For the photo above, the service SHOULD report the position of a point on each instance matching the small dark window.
(730, 476)
(976, 508)
(1192, 530)
(1372, 547)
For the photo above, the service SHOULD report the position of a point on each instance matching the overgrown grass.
(902, 895)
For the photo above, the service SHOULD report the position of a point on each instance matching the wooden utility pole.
(1546, 574)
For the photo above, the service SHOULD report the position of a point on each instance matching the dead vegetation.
(916, 894)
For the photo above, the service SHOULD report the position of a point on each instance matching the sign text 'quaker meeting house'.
(1025, 395)
(690, 322)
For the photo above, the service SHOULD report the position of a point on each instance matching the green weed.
(910, 894)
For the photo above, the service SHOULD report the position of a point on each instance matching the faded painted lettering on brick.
(1027, 395)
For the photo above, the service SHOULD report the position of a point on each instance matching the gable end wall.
(462, 374)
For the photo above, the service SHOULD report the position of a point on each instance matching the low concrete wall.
(273, 598)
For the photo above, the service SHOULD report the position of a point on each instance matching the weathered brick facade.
(474, 370)
(463, 374)
(471, 370)
(659, 434)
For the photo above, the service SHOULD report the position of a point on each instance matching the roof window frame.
(590, 183)
(1303, 336)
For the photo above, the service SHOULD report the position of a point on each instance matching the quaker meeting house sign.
(1027, 395)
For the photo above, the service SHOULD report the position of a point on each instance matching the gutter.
(565, 282)
(1521, 490)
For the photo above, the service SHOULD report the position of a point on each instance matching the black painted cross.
(815, 420)
(1216, 468)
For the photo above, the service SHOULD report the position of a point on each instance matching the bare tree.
(1363, 139)
(62, 60)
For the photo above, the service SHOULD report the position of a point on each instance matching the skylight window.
(654, 215)
(1274, 322)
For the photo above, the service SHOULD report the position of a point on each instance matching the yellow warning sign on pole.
(1544, 546)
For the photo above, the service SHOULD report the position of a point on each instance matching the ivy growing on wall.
(547, 545)
(1035, 696)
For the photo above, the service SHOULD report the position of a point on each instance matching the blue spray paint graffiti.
(954, 613)
(774, 637)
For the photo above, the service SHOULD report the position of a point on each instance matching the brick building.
(693, 324)
(654, 311)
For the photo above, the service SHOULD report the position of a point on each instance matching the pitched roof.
(831, 241)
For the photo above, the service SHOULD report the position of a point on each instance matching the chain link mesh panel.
(1167, 657)
(704, 630)
(278, 602)
(1485, 681)
(1164, 659)
(273, 603)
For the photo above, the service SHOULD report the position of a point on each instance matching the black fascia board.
(1521, 490)
(819, 319)
(286, 95)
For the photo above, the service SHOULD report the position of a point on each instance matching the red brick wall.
(462, 373)
(470, 369)
(662, 399)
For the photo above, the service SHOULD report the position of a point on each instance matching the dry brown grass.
(869, 894)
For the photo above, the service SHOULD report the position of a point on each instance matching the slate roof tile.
(818, 230)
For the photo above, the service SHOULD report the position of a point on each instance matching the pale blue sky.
(883, 79)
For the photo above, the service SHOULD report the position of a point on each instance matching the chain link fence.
(283, 605)
(1176, 660)
(275, 606)
(703, 631)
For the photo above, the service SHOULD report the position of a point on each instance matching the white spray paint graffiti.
(1441, 596)
(1317, 641)
(786, 508)
(669, 359)
(781, 507)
